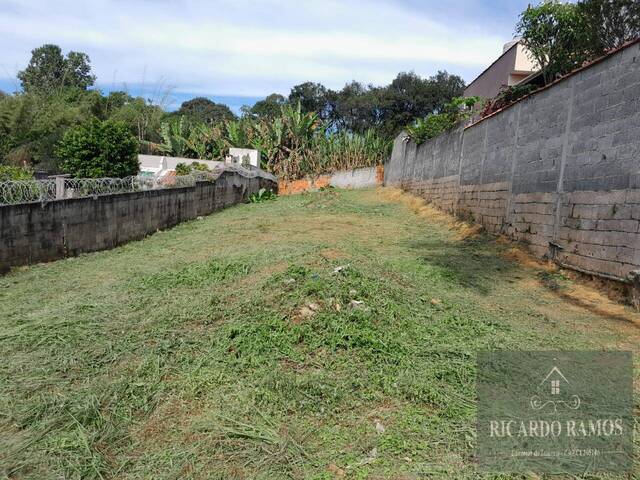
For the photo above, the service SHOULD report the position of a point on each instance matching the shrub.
(184, 169)
(99, 149)
(8, 172)
(262, 196)
(456, 111)
(506, 96)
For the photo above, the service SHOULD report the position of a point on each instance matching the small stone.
(435, 301)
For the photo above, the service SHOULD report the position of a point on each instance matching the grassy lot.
(230, 347)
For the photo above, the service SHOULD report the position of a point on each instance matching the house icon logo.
(554, 391)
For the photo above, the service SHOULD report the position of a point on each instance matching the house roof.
(515, 45)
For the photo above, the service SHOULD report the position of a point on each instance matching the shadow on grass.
(472, 263)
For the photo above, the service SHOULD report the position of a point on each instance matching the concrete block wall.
(559, 170)
(35, 232)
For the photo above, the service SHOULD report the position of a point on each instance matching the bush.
(458, 110)
(8, 172)
(184, 169)
(99, 149)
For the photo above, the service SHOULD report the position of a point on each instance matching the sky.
(238, 51)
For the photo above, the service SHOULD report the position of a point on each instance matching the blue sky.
(236, 51)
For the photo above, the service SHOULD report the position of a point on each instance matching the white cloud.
(244, 47)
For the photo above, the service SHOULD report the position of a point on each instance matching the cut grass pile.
(325, 335)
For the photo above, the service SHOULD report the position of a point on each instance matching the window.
(555, 387)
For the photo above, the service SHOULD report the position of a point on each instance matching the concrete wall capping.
(560, 171)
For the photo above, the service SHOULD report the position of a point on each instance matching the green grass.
(229, 347)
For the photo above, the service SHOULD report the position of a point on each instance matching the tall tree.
(354, 108)
(610, 23)
(410, 96)
(311, 96)
(270, 107)
(558, 36)
(206, 111)
(49, 70)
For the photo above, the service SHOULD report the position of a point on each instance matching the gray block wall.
(35, 232)
(559, 170)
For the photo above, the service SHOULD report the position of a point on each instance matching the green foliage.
(49, 70)
(31, 124)
(268, 108)
(262, 196)
(187, 169)
(99, 149)
(292, 144)
(456, 111)
(8, 172)
(506, 96)
(563, 36)
(410, 97)
(357, 108)
(182, 137)
(610, 23)
(203, 110)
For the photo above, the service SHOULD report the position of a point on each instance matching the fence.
(60, 188)
(102, 215)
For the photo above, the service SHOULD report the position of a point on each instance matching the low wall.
(357, 178)
(39, 232)
(559, 170)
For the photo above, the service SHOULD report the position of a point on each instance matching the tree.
(610, 23)
(49, 70)
(410, 97)
(204, 110)
(99, 149)
(312, 98)
(354, 108)
(270, 107)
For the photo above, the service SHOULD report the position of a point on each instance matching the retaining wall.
(559, 170)
(38, 232)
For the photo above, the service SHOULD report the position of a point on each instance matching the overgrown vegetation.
(292, 144)
(455, 112)
(186, 169)
(506, 96)
(99, 149)
(262, 195)
(348, 128)
(8, 172)
(340, 341)
(563, 36)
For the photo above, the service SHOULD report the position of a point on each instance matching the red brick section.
(309, 184)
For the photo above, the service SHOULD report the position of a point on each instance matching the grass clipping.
(420, 207)
(598, 295)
